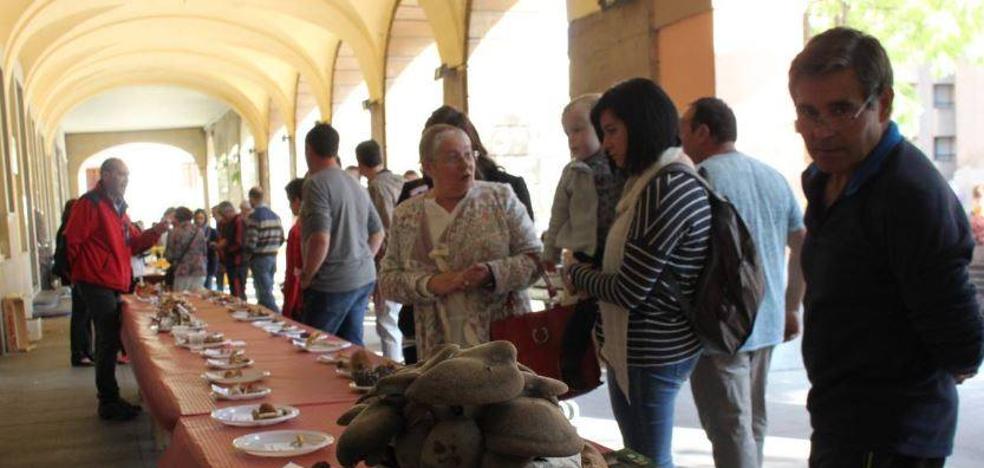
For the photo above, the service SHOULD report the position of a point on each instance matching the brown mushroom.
(538, 386)
(369, 434)
(439, 355)
(346, 418)
(454, 443)
(529, 427)
(481, 375)
(408, 444)
(395, 384)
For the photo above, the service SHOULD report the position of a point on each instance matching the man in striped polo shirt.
(264, 236)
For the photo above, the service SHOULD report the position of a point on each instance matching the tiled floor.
(48, 412)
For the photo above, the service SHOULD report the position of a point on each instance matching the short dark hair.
(201, 212)
(843, 48)
(182, 214)
(649, 116)
(256, 193)
(295, 189)
(323, 140)
(369, 154)
(718, 117)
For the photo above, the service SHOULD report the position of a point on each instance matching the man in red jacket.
(100, 241)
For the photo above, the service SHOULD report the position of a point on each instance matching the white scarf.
(614, 318)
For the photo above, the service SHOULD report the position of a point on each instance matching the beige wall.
(80, 146)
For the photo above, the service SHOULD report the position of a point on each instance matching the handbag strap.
(551, 289)
(188, 246)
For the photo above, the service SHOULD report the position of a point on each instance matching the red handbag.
(539, 340)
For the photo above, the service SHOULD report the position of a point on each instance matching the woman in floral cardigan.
(463, 253)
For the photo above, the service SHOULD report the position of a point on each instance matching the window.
(945, 149)
(943, 95)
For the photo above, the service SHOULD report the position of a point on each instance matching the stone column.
(291, 141)
(456, 87)
(263, 170)
(377, 115)
(635, 38)
(203, 173)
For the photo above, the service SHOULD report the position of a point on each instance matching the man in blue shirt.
(891, 321)
(730, 390)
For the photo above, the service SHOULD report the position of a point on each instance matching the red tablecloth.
(170, 376)
(200, 441)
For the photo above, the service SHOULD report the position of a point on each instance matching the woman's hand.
(443, 284)
(476, 276)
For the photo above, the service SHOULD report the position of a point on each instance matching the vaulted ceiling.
(249, 54)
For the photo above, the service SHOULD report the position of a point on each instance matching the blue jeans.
(338, 313)
(263, 267)
(647, 422)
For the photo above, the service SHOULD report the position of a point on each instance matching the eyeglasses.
(456, 157)
(839, 116)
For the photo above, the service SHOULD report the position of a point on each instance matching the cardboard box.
(15, 324)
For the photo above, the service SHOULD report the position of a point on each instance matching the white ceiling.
(143, 108)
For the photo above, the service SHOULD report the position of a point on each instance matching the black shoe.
(131, 406)
(116, 411)
(84, 361)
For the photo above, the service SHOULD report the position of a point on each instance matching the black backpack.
(730, 288)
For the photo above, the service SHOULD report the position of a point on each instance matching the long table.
(179, 399)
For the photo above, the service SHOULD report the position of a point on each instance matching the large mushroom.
(453, 443)
(480, 375)
(538, 386)
(529, 427)
(369, 434)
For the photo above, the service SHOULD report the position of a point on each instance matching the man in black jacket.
(892, 324)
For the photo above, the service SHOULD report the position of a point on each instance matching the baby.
(589, 188)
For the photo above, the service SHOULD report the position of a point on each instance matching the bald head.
(114, 176)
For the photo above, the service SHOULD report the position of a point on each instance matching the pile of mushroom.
(474, 407)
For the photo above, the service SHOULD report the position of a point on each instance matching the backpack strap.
(671, 276)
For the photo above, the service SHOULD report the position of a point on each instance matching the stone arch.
(82, 146)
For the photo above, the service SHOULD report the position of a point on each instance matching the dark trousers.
(338, 313)
(80, 327)
(105, 307)
(828, 455)
(237, 280)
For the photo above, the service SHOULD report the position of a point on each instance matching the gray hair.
(432, 138)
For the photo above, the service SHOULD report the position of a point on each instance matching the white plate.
(359, 388)
(343, 373)
(321, 346)
(278, 443)
(202, 346)
(242, 416)
(244, 316)
(224, 364)
(327, 359)
(217, 353)
(264, 324)
(223, 393)
(250, 375)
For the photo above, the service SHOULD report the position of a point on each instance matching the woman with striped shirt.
(662, 227)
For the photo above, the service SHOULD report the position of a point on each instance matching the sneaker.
(116, 411)
(122, 359)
